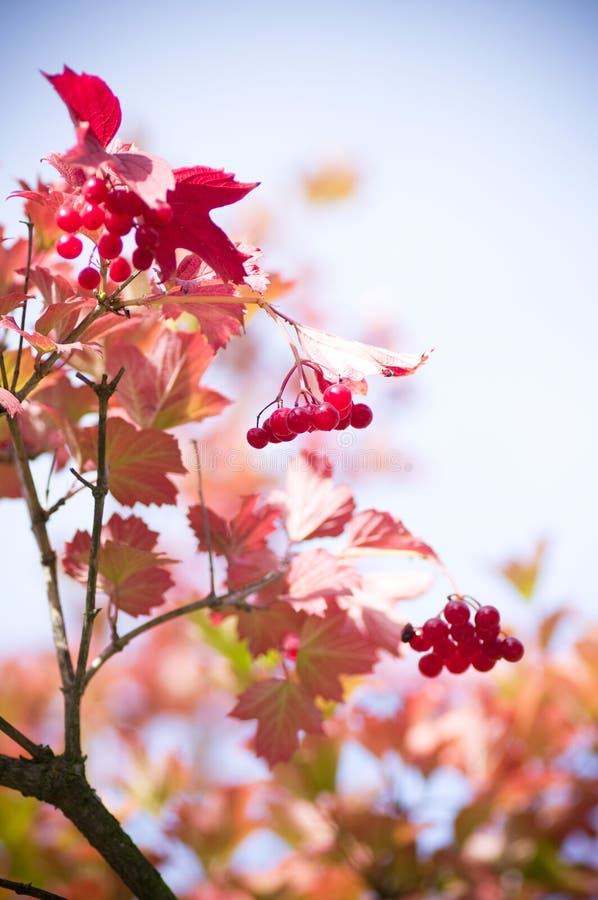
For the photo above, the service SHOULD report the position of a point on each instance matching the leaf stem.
(233, 599)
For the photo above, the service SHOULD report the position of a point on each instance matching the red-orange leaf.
(246, 532)
(372, 532)
(282, 709)
(329, 647)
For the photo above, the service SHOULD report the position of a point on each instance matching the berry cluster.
(336, 411)
(110, 213)
(455, 642)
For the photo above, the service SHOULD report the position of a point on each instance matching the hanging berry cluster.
(455, 642)
(108, 214)
(334, 411)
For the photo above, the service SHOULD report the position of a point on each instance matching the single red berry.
(278, 422)
(430, 665)
(435, 629)
(290, 646)
(69, 246)
(272, 438)
(340, 397)
(512, 649)
(487, 619)
(257, 437)
(420, 642)
(119, 269)
(456, 612)
(124, 202)
(147, 237)
(493, 648)
(92, 217)
(89, 278)
(458, 662)
(95, 190)
(325, 416)
(463, 633)
(118, 223)
(159, 216)
(68, 219)
(361, 415)
(142, 258)
(482, 663)
(110, 246)
(298, 419)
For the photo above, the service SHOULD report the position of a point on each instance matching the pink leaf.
(317, 574)
(314, 506)
(10, 402)
(374, 533)
(343, 358)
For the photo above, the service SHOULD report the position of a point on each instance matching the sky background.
(473, 127)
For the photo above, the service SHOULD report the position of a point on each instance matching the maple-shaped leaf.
(343, 358)
(9, 402)
(131, 572)
(53, 287)
(314, 505)
(282, 709)
(265, 628)
(246, 532)
(197, 191)
(375, 533)
(161, 390)
(90, 100)
(138, 460)
(218, 322)
(329, 647)
(317, 574)
(248, 567)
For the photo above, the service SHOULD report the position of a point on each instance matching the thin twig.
(19, 887)
(206, 520)
(104, 391)
(37, 751)
(233, 599)
(15, 374)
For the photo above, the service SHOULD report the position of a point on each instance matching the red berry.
(444, 648)
(68, 219)
(420, 642)
(142, 258)
(457, 662)
(110, 246)
(278, 423)
(118, 223)
(463, 633)
(95, 190)
(92, 217)
(482, 663)
(456, 612)
(272, 438)
(493, 648)
(89, 278)
(435, 629)
(257, 437)
(68, 246)
(290, 646)
(340, 397)
(487, 619)
(124, 202)
(344, 422)
(325, 416)
(119, 269)
(159, 216)
(298, 419)
(512, 649)
(430, 665)
(147, 237)
(361, 415)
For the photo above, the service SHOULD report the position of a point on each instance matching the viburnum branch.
(38, 518)
(28, 890)
(234, 599)
(15, 375)
(206, 520)
(37, 751)
(104, 391)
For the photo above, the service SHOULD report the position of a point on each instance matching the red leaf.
(329, 647)
(245, 568)
(197, 191)
(54, 288)
(218, 322)
(246, 532)
(377, 533)
(382, 631)
(317, 574)
(161, 389)
(138, 462)
(89, 99)
(343, 358)
(10, 301)
(281, 709)
(314, 506)
(264, 629)
(130, 574)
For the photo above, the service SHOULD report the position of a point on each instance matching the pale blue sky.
(474, 126)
